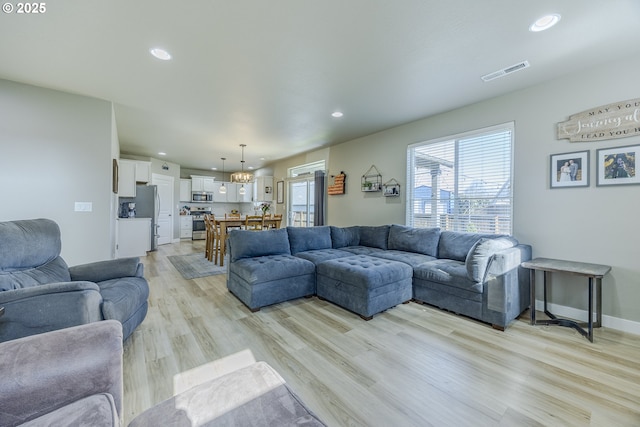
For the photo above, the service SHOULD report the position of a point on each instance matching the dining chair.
(275, 221)
(254, 222)
(212, 243)
(233, 216)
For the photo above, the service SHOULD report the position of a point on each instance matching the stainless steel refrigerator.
(147, 206)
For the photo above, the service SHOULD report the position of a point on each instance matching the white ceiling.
(268, 73)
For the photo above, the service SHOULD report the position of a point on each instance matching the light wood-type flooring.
(413, 365)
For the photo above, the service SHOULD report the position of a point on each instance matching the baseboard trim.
(617, 323)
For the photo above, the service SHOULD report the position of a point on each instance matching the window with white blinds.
(463, 182)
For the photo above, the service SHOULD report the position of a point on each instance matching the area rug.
(196, 265)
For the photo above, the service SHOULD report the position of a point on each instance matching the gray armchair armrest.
(107, 270)
(42, 373)
(44, 308)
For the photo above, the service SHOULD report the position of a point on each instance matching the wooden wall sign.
(338, 185)
(617, 120)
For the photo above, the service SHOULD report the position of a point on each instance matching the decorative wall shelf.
(391, 188)
(371, 180)
(338, 184)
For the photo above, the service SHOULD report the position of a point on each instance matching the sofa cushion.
(374, 237)
(362, 250)
(309, 238)
(410, 239)
(270, 267)
(447, 272)
(481, 252)
(321, 255)
(248, 244)
(456, 245)
(411, 258)
(344, 236)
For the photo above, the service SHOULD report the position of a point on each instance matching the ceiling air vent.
(501, 73)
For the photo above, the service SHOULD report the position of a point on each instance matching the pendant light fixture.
(223, 189)
(242, 177)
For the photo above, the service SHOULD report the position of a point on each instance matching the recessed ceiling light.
(162, 153)
(545, 22)
(214, 169)
(250, 167)
(160, 53)
(337, 114)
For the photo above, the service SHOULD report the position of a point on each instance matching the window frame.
(410, 214)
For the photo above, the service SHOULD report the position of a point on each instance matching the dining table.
(225, 224)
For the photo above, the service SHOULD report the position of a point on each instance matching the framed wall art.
(617, 165)
(569, 170)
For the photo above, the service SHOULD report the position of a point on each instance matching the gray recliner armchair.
(40, 293)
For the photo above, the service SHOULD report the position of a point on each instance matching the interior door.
(164, 222)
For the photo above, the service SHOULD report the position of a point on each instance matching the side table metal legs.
(554, 320)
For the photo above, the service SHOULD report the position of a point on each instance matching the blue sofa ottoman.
(262, 270)
(364, 284)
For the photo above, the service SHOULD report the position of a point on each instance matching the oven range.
(198, 231)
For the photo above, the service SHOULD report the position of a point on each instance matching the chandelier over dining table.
(242, 176)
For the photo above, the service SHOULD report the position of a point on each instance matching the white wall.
(594, 224)
(55, 150)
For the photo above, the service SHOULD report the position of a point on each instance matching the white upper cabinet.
(185, 190)
(202, 183)
(247, 197)
(232, 192)
(143, 171)
(126, 178)
(217, 196)
(208, 184)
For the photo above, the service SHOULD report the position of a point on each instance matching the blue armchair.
(40, 293)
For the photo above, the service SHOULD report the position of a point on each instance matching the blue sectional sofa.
(368, 269)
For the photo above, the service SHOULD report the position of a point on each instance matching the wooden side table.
(594, 272)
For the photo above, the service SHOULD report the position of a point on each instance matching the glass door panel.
(301, 203)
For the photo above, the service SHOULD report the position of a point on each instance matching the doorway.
(164, 223)
(301, 204)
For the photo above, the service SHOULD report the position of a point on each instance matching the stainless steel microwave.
(201, 197)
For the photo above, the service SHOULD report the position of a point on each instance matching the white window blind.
(463, 182)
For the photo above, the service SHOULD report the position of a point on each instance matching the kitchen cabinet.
(131, 172)
(126, 178)
(185, 190)
(133, 237)
(232, 192)
(143, 172)
(217, 196)
(202, 183)
(186, 225)
(263, 189)
(208, 184)
(197, 184)
(247, 197)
